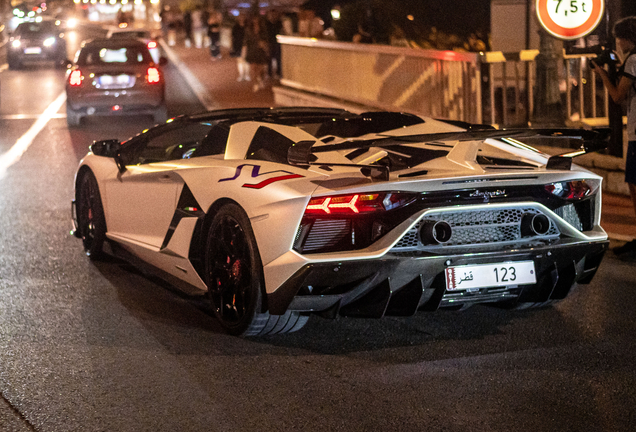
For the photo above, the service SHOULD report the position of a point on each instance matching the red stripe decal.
(271, 180)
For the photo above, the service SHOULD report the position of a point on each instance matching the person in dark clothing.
(238, 36)
(256, 50)
(187, 27)
(274, 26)
(214, 33)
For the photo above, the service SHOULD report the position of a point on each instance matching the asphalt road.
(102, 347)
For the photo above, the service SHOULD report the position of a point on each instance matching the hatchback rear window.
(117, 55)
(33, 28)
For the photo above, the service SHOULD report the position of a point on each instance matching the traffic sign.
(570, 19)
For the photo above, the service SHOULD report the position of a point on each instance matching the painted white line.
(22, 144)
(30, 116)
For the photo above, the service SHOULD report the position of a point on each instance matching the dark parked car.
(115, 77)
(37, 41)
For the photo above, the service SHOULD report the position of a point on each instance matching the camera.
(606, 56)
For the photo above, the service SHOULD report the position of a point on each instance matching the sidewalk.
(214, 83)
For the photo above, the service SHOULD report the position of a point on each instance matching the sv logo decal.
(256, 173)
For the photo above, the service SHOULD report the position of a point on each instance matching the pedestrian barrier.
(490, 87)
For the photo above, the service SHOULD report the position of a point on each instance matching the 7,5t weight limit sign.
(570, 19)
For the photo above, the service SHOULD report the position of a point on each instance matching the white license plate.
(118, 80)
(33, 50)
(490, 275)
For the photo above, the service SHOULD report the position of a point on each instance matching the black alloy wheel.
(90, 216)
(233, 271)
(234, 275)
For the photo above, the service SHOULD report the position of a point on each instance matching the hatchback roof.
(114, 43)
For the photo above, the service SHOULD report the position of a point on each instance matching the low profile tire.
(234, 275)
(73, 118)
(160, 115)
(90, 216)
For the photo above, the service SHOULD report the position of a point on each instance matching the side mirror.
(300, 154)
(163, 61)
(107, 148)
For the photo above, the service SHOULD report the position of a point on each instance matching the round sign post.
(570, 19)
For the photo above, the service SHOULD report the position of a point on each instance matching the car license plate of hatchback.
(110, 81)
(490, 275)
(33, 50)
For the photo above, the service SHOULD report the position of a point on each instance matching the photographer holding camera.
(625, 91)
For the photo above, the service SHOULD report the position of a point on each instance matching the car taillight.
(355, 203)
(76, 78)
(570, 190)
(351, 221)
(152, 44)
(153, 76)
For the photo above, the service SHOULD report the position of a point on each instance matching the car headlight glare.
(48, 42)
(16, 43)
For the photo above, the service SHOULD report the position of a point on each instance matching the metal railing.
(434, 83)
(442, 84)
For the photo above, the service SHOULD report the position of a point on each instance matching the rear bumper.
(45, 55)
(401, 285)
(123, 101)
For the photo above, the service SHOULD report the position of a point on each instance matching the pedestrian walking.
(187, 27)
(237, 52)
(274, 26)
(198, 26)
(214, 33)
(624, 91)
(256, 51)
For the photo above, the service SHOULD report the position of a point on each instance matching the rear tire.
(234, 275)
(90, 216)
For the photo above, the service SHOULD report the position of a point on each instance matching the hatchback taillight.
(152, 44)
(153, 76)
(76, 78)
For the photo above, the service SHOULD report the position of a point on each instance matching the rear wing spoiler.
(302, 153)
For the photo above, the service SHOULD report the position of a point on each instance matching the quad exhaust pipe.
(435, 232)
(534, 224)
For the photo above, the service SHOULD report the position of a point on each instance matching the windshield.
(128, 55)
(35, 28)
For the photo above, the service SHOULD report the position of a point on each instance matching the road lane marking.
(22, 144)
(29, 116)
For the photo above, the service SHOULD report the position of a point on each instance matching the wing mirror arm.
(120, 163)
